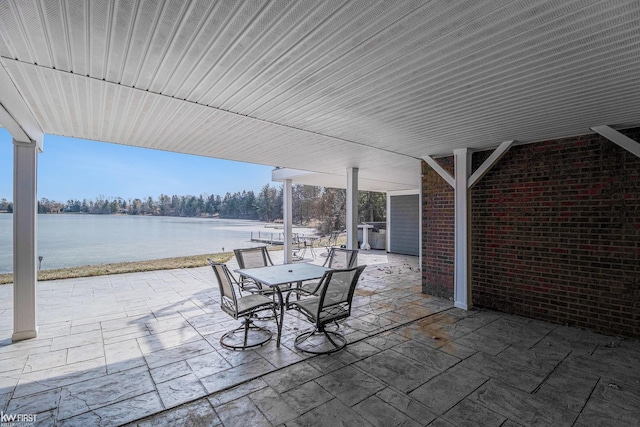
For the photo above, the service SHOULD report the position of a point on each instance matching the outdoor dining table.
(275, 276)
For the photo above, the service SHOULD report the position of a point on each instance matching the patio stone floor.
(142, 349)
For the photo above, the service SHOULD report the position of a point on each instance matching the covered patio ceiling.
(319, 86)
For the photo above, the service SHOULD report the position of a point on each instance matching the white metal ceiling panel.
(324, 85)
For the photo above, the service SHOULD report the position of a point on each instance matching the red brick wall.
(556, 234)
(437, 232)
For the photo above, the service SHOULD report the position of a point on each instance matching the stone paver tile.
(428, 333)
(458, 382)
(521, 407)
(568, 388)
(23, 348)
(598, 412)
(125, 325)
(196, 414)
(180, 390)
(236, 392)
(177, 353)
(331, 414)
(13, 363)
(46, 419)
(208, 364)
(237, 374)
(234, 358)
(76, 340)
(624, 394)
(543, 358)
(441, 422)
(85, 328)
(386, 340)
(306, 397)
(38, 403)
(576, 340)
(292, 376)
(407, 405)
(171, 371)
(128, 336)
(326, 363)
(396, 318)
(426, 355)
(54, 330)
(516, 330)
(89, 395)
(380, 414)
(241, 412)
(279, 356)
(505, 371)
(350, 385)
(118, 413)
(35, 382)
(601, 366)
(486, 344)
(356, 351)
(618, 361)
(456, 349)
(4, 401)
(367, 323)
(397, 370)
(206, 324)
(123, 355)
(85, 352)
(9, 380)
(470, 413)
(164, 340)
(273, 406)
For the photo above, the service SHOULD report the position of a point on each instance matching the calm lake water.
(74, 240)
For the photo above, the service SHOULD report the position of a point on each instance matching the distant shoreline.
(124, 267)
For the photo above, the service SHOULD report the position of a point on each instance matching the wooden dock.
(269, 238)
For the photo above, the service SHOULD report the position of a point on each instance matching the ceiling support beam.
(287, 214)
(352, 208)
(462, 181)
(489, 163)
(440, 170)
(25, 210)
(15, 114)
(618, 138)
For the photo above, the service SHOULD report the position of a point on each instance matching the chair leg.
(230, 340)
(337, 341)
(246, 332)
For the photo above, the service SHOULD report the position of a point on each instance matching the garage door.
(404, 224)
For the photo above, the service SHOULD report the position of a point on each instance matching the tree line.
(325, 206)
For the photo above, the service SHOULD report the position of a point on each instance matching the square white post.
(25, 210)
(462, 280)
(352, 208)
(287, 213)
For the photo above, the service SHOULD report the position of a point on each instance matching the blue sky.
(70, 168)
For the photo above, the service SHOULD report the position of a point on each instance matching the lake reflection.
(75, 240)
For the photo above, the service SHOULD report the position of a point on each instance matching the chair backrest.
(336, 294)
(332, 240)
(253, 257)
(228, 299)
(341, 258)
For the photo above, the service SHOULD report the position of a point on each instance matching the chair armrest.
(298, 291)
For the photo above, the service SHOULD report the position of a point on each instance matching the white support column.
(462, 281)
(287, 213)
(352, 208)
(25, 209)
(462, 183)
